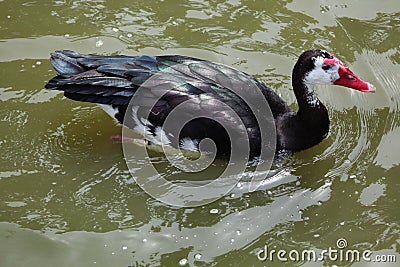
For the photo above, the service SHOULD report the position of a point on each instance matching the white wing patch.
(110, 111)
(159, 137)
(189, 144)
(142, 126)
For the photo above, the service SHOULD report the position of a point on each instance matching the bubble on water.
(129, 35)
(341, 223)
(183, 262)
(232, 240)
(319, 203)
(239, 185)
(352, 176)
(233, 195)
(112, 253)
(317, 235)
(38, 62)
(53, 183)
(144, 240)
(9, 17)
(269, 192)
(197, 256)
(66, 35)
(238, 232)
(214, 211)
(124, 248)
(99, 43)
(115, 29)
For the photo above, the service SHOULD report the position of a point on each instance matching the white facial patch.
(320, 76)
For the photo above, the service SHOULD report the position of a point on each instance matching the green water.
(67, 197)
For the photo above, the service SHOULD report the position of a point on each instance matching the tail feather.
(66, 65)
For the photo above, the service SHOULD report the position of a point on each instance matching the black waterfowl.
(112, 81)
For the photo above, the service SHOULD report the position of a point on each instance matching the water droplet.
(144, 240)
(197, 256)
(319, 203)
(66, 35)
(99, 43)
(129, 35)
(232, 240)
(238, 232)
(300, 212)
(239, 185)
(317, 235)
(233, 195)
(352, 176)
(38, 62)
(214, 211)
(8, 16)
(183, 262)
(342, 223)
(269, 192)
(112, 253)
(33, 66)
(115, 29)
(124, 248)
(53, 183)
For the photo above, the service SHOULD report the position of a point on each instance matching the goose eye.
(326, 67)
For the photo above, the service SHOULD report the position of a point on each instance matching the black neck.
(306, 98)
(312, 115)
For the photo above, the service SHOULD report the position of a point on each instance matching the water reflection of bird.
(168, 81)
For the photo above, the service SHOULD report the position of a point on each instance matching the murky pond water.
(67, 197)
